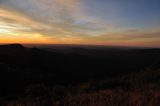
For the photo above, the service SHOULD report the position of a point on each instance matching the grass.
(136, 89)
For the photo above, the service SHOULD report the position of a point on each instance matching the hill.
(140, 89)
(24, 69)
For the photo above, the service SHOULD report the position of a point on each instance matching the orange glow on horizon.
(69, 22)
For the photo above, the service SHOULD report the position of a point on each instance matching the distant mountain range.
(79, 60)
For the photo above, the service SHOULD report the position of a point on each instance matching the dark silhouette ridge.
(12, 49)
(12, 46)
(21, 66)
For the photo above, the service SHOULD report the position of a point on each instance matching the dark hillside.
(141, 88)
(21, 66)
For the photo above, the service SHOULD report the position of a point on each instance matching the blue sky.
(97, 22)
(127, 13)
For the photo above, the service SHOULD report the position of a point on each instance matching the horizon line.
(98, 45)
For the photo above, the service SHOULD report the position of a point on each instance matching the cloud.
(56, 17)
(132, 35)
(64, 21)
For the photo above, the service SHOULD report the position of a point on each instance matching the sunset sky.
(97, 22)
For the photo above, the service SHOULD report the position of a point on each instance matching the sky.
(93, 22)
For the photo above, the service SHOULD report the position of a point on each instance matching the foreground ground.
(138, 89)
(79, 76)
